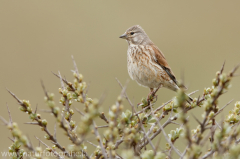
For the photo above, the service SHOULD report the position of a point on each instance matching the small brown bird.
(146, 63)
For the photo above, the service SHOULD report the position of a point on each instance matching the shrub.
(129, 134)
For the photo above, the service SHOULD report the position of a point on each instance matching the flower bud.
(114, 108)
(119, 99)
(56, 110)
(215, 82)
(67, 115)
(64, 92)
(49, 149)
(89, 100)
(22, 109)
(29, 110)
(70, 102)
(80, 77)
(44, 122)
(155, 129)
(80, 99)
(60, 90)
(69, 96)
(71, 111)
(72, 123)
(39, 116)
(26, 103)
(47, 137)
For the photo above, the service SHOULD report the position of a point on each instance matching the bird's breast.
(141, 67)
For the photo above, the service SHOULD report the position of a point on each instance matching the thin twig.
(208, 154)
(32, 123)
(104, 126)
(3, 120)
(75, 65)
(55, 152)
(91, 143)
(99, 140)
(103, 117)
(220, 110)
(9, 114)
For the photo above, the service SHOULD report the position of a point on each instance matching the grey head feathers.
(135, 35)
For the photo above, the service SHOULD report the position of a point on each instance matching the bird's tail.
(189, 99)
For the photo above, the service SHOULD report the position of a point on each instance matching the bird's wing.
(160, 60)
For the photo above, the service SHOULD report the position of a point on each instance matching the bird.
(146, 64)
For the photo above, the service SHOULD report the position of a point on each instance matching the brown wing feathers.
(160, 59)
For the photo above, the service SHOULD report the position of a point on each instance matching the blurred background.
(37, 37)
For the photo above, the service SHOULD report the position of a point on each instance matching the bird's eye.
(132, 33)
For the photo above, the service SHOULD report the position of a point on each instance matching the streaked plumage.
(146, 63)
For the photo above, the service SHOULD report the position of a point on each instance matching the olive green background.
(37, 37)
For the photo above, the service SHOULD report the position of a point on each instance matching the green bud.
(49, 149)
(95, 102)
(29, 110)
(215, 82)
(64, 92)
(39, 149)
(111, 124)
(237, 104)
(114, 108)
(14, 125)
(51, 95)
(80, 99)
(70, 102)
(22, 109)
(69, 96)
(119, 99)
(211, 114)
(16, 133)
(56, 110)
(39, 116)
(44, 122)
(80, 77)
(47, 137)
(54, 147)
(149, 154)
(205, 91)
(24, 140)
(75, 74)
(45, 98)
(223, 77)
(155, 129)
(62, 100)
(72, 123)
(60, 90)
(90, 100)
(71, 111)
(144, 101)
(32, 116)
(67, 114)
(86, 103)
(51, 104)
(26, 103)
(75, 96)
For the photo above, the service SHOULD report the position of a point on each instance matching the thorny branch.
(131, 127)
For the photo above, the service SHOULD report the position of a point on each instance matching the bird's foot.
(151, 97)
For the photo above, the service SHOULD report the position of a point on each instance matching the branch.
(99, 140)
(51, 150)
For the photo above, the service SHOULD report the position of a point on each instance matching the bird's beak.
(124, 36)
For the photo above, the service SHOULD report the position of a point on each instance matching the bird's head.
(135, 35)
